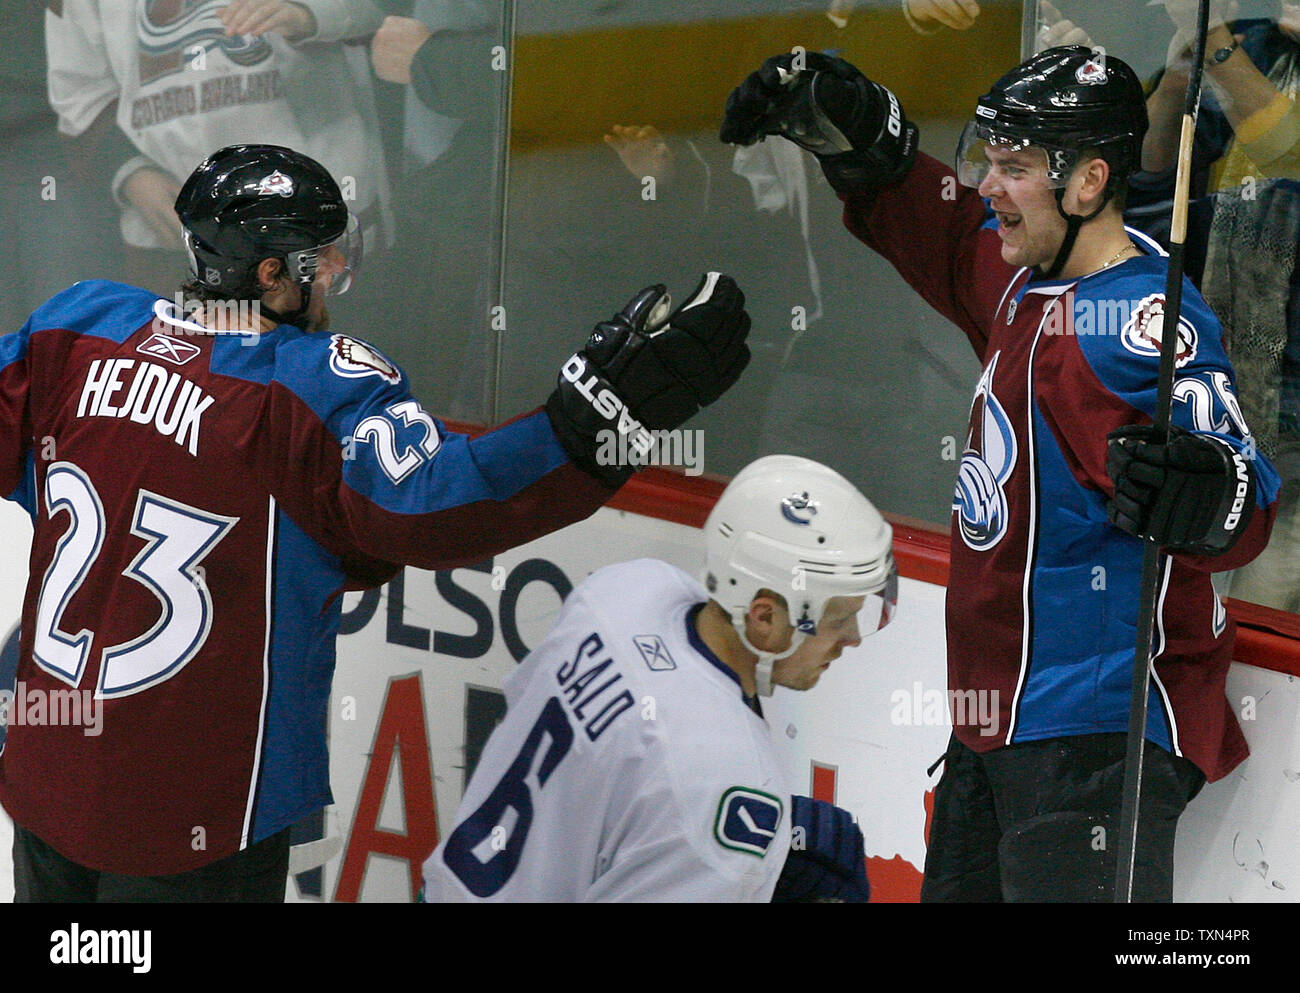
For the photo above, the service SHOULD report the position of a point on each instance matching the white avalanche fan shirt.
(628, 765)
(184, 89)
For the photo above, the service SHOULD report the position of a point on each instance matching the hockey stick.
(1137, 712)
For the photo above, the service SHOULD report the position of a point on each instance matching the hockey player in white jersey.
(633, 763)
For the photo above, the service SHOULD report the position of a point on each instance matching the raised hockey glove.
(1194, 494)
(647, 370)
(854, 126)
(827, 861)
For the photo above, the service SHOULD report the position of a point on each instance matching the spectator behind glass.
(1244, 225)
(1245, 228)
(185, 78)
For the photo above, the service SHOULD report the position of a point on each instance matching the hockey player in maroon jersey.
(1024, 248)
(204, 485)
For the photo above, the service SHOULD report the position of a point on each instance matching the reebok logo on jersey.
(654, 652)
(173, 350)
(747, 820)
(155, 395)
(353, 359)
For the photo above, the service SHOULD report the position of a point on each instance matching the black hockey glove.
(827, 861)
(855, 127)
(1193, 494)
(648, 370)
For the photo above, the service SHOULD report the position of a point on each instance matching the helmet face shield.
(336, 263)
(980, 150)
(844, 619)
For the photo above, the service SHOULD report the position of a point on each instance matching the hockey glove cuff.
(1195, 493)
(827, 860)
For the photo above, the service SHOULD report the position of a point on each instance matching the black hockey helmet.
(246, 203)
(1063, 100)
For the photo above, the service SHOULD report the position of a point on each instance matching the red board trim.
(1266, 638)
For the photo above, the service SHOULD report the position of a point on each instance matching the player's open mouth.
(1007, 221)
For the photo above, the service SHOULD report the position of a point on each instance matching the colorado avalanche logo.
(797, 508)
(1091, 71)
(172, 32)
(981, 500)
(276, 184)
(1144, 331)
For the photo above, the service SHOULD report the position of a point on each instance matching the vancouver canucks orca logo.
(980, 500)
(172, 31)
(799, 508)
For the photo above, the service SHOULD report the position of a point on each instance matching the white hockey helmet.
(800, 529)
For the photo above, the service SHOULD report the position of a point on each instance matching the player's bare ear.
(767, 619)
(1095, 174)
(762, 609)
(269, 272)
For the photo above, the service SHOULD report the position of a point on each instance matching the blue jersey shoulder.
(96, 307)
(1119, 320)
(334, 374)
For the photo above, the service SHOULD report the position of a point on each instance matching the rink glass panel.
(504, 249)
(849, 366)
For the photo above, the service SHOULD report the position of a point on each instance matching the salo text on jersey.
(597, 709)
(155, 394)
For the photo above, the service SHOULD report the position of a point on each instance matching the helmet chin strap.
(296, 315)
(766, 660)
(1073, 222)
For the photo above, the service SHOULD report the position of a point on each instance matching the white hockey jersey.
(628, 766)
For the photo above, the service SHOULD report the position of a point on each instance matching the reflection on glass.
(1245, 215)
(618, 180)
(159, 87)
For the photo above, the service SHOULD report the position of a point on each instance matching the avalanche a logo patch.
(1092, 72)
(353, 359)
(747, 820)
(276, 184)
(1145, 330)
(980, 500)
